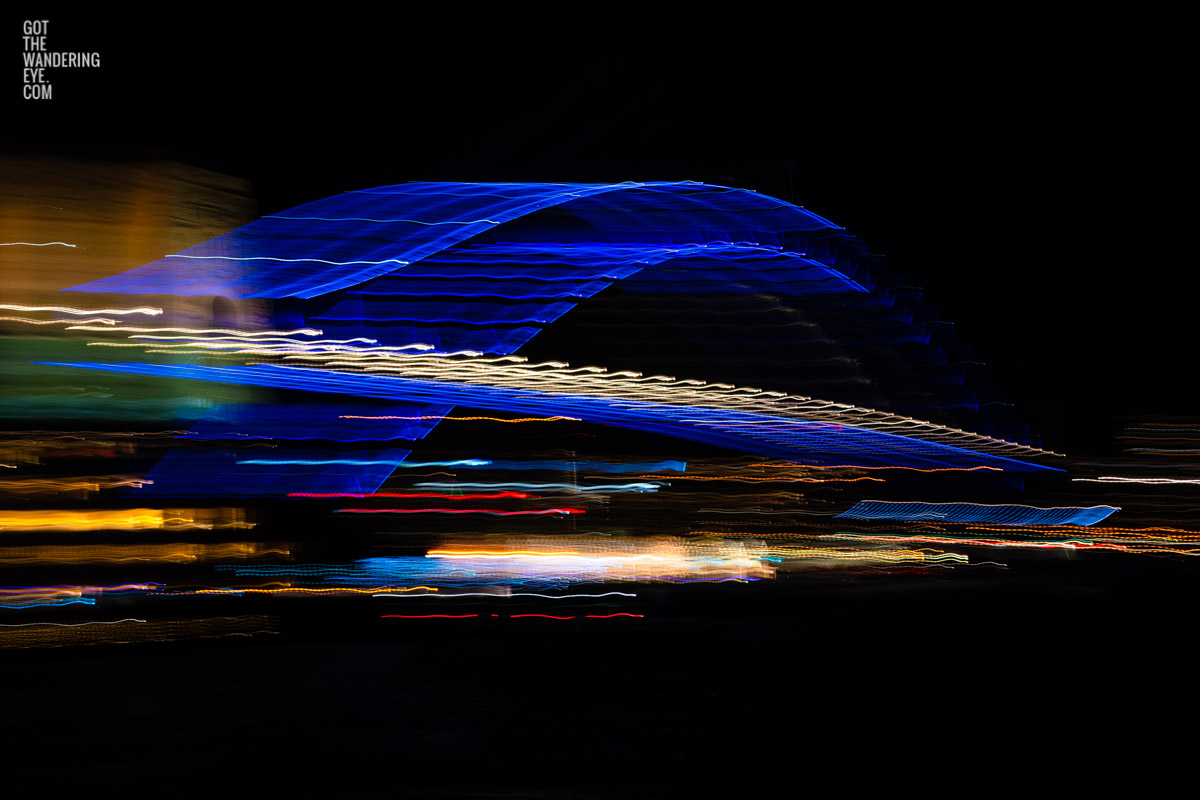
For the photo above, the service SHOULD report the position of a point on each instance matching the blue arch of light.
(338, 242)
(797, 440)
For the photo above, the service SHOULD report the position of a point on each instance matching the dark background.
(1028, 174)
(1028, 171)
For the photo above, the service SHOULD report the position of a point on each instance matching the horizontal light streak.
(509, 617)
(491, 511)
(56, 520)
(359, 462)
(141, 553)
(768, 478)
(232, 332)
(494, 595)
(467, 419)
(73, 323)
(68, 624)
(396, 261)
(1007, 514)
(561, 487)
(327, 590)
(419, 495)
(73, 310)
(773, 417)
(1118, 479)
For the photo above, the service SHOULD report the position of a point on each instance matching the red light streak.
(494, 511)
(511, 616)
(487, 496)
